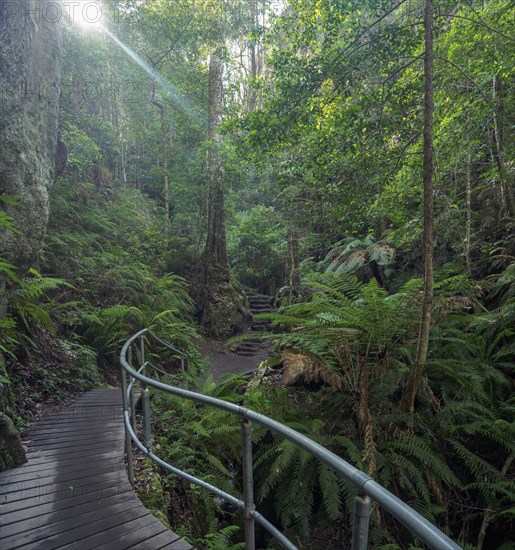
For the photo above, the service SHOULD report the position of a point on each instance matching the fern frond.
(330, 485)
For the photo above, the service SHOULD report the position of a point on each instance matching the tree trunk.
(468, 223)
(293, 264)
(428, 242)
(225, 309)
(165, 152)
(216, 249)
(505, 183)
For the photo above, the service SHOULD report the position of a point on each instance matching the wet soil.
(224, 361)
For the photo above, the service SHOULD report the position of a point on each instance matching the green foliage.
(462, 441)
(351, 254)
(346, 323)
(204, 442)
(221, 539)
(26, 303)
(322, 134)
(115, 256)
(256, 249)
(84, 153)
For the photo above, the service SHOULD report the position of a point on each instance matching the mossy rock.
(227, 311)
(153, 498)
(161, 516)
(12, 453)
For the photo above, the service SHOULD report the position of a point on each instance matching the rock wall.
(30, 63)
(30, 59)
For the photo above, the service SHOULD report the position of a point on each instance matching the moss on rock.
(12, 453)
(227, 311)
(150, 492)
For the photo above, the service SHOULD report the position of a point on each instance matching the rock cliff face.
(30, 61)
(30, 52)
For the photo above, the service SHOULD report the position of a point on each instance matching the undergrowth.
(102, 277)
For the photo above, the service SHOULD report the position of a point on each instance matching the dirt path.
(223, 361)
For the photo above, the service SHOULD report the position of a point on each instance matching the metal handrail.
(368, 490)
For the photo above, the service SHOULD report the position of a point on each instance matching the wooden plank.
(28, 515)
(163, 540)
(180, 544)
(35, 471)
(95, 520)
(148, 528)
(41, 460)
(82, 536)
(47, 514)
(74, 491)
(56, 477)
(76, 452)
(65, 431)
(108, 537)
(80, 441)
(71, 490)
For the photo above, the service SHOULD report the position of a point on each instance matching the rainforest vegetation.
(354, 161)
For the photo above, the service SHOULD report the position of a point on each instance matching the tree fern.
(220, 539)
(331, 489)
(352, 254)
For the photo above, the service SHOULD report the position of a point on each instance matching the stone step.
(249, 349)
(250, 340)
(246, 353)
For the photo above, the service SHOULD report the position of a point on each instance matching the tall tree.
(428, 238)
(165, 152)
(217, 265)
(225, 310)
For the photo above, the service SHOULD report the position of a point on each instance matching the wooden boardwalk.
(73, 493)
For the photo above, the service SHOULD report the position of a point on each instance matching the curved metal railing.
(367, 489)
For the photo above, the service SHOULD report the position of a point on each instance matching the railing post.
(362, 507)
(132, 405)
(128, 442)
(147, 420)
(248, 485)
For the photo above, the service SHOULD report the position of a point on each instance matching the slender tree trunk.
(293, 263)
(428, 243)
(165, 152)
(216, 249)
(505, 183)
(252, 101)
(490, 514)
(468, 223)
(252, 97)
